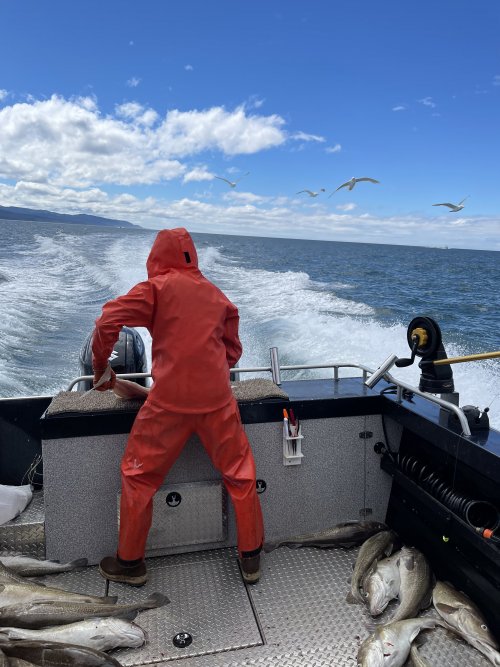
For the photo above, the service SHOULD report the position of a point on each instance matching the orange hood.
(172, 249)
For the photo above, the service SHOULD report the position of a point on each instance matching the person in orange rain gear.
(194, 330)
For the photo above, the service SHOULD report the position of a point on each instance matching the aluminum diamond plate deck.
(26, 533)
(299, 604)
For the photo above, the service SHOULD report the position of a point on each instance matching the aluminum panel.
(186, 515)
(26, 533)
(299, 602)
(207, 599)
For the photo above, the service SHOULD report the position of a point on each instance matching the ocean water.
(318, 302)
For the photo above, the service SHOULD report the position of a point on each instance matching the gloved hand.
(104, 378)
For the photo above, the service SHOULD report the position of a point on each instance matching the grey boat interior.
(362, 449)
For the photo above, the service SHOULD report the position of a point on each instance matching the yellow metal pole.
(470, 357)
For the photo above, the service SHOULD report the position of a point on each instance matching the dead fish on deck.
(389, 645)
(415, 591)
(463, 617)
(416, 658)
(6, 576)
(345, 534)
(42, 614)
(371, 550)
(382, 584)
(50, 654)
(15, 593)
(24, 566)
(101, 634)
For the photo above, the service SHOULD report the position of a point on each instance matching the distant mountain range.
(34, 215)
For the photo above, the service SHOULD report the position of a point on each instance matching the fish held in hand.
(463, 617)
(24, 566)
(382, 584)
(12, 593)
(345, 534)
(130, 390)
(371, 550)
(101, 634)
(49, 654)
(42, 614)
(389, 645)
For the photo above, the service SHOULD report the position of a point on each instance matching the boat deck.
(296, 615)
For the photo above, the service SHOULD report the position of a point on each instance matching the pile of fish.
(385, 570)
(383, 573)
(45, 626)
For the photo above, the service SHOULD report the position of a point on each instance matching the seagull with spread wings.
(232, 184)
(453, 207)
(352, 182)
(310, 192)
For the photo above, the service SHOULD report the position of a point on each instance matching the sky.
(138, 110)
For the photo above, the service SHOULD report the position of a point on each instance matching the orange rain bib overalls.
(194, 330)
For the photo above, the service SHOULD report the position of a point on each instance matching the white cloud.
(198, 174)
(254, 102)
(185, 133)
(246, 197)
(188, 68)
(428, 102)
(496, 80)
(303, 136)
(346, 207)
(260, 216)
(133, 82)
(400, 107)
(333, 149)
(70, 143)
(136, 112)
(3, 94)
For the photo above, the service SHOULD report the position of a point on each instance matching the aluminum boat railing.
(275, 369)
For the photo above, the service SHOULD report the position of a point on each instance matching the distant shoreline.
(17, 214)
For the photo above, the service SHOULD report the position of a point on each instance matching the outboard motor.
(128, 356)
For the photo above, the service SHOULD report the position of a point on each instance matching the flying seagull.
(232, 184)
(311, 193)
(350, 184)
(454, 207)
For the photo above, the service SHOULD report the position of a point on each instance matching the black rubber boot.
(126, 572)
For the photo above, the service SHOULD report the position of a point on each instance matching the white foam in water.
(312, 326)
(56, 287)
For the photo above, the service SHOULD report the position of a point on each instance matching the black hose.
(479, 514)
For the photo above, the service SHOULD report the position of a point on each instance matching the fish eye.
(366, 594)
(484, 627)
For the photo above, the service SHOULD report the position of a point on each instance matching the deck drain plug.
(182, 639)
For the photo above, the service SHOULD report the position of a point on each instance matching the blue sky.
(130, 110)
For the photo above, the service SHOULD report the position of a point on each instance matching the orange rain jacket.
(193, 325)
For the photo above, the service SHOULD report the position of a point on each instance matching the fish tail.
(155, 600)
(79, 562)
(270, 546)
(350, 598)
(128, 615)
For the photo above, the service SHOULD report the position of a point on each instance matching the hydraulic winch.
(425, 341)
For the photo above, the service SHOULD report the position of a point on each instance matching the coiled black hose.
(479, 514)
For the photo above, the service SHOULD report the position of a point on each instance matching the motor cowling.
(128, 356)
